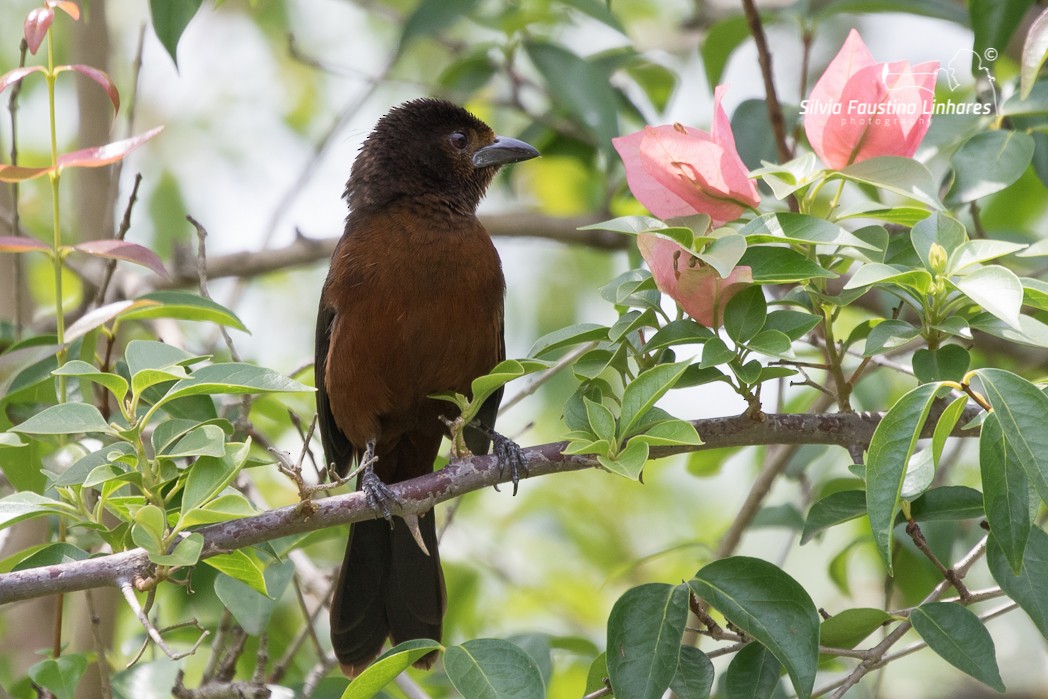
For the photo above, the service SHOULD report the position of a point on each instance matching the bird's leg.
(380, 498)
(507, 452)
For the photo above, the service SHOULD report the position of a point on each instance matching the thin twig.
(105, 688)
(16, 227)
(121, 233)
(778, 122)
(128, 591)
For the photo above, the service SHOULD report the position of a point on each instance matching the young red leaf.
(10, 243)
(37, 22)
(67, 6)
(107, 154)
(13, 173)
(99, 77)
(122, 250)
(12, 76)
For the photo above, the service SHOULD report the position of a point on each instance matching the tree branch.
(420, 494)
(305, 250)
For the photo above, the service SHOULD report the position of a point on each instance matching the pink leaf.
(107, 154)
(10, 243)
(100, 316)
(14, 173)
(67, 6)
(12, 76)
(693, 284)
(679, 171)
(99, 77)
(122, 250)
(37, 22)
(861, 109)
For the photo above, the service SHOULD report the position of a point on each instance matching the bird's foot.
(509, 455)
(378, 495)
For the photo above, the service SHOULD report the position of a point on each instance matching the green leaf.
(793, 324)
(232, 377)
(850, 627)
(579, 87)
(186, 552)
(243, 566)
(980, 250)
(771, 343)
(181, 304)
(770, 606)
(694, 678)
(832, 510)
(631, 225)
(116, 384)
(684, 331)
(431, 17)
(1031, 331)
(722, 38)
(644, 639)
(141, 355)
(50, 554)
(60, 675)
(938, 229)
(1006, 492)
(490, 668)
(957, 635)
(642, 393)
(877, 273)
(745, 313)
(66, 418)
(629, 462)
(947, 363)
(26, 505)
(895, 174)
(170, 19)
(229, 505)
(753, 674)
(715, 352)
(997, 289)
(669, 433)
(250, 608)
(601, 421)
(949, 503)
(1021, 408)
(1028, 587)
(206, 440)
(388, 666)
(785, 227)
(920, 472)
(889, 334)
(988, 162)
(209, 475)
(774, 265)
(598, 672)
(993, 22)
(893, 443)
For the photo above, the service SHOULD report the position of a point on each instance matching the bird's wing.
(337, 448)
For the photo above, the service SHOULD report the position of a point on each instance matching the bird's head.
(430, 149)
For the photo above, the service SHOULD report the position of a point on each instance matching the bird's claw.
(379, 497)
(509, 455)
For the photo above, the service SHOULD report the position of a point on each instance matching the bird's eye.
(458, 140)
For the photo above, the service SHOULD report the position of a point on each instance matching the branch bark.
(420, 494)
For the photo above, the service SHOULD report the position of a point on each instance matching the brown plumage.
(412, 306)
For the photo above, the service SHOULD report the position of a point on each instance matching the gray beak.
(503, 151)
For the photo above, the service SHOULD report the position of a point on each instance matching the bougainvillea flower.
(861, 109)
(679, 171)
(689, 281)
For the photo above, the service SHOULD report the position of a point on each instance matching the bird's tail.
(387, 588)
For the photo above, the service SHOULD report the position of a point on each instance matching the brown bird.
(412, 306)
